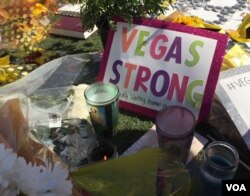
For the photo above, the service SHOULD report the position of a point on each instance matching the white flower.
(41, 181)
(7, 160)
(8, 191)
(28, 178)
(16, 176)
(56, 181)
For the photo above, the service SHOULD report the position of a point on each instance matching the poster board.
(233, 90)
(156, 64)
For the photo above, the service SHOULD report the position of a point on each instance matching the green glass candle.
(103, 104)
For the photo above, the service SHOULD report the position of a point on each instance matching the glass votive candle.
(220, 162)
(175, 127)
(102, 150)
(102, 101)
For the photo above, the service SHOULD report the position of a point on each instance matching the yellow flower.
(194, 21)
(4, 15)
(5, 60)
(234, 34)
(32, 20)
(51, 5)
(39, 10)
(241, 34)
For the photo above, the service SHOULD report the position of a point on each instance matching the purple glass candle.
(175, 129)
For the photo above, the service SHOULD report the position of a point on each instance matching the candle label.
(176, 147)
(104, 118)
(156, 64)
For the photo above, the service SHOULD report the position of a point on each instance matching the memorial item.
(220, 162)
(175, 127)
(103, 104)
(237, 56)
(102, 150)
(23, 26)
(157, 64)
(17, 176)
(233, 93)
(69, 23)
(22, 158)
(47, 107)
(70, 141)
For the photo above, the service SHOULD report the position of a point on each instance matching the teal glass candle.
(103, 104)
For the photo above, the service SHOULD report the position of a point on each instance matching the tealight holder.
(102, 150)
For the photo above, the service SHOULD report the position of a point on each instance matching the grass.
(131, 126)
(66, 45)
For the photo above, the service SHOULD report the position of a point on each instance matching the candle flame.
(105, 158)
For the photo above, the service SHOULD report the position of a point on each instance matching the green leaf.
(133, 175)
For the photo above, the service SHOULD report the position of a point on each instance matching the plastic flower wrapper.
(15, 132)
(13, 126)
(43, 102)
(237, 56)
(4, 58)
(51, 123)
(26, 165)
(241, 35)
(70, 141)
(136, 174)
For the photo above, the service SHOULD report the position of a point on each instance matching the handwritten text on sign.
(156, 67)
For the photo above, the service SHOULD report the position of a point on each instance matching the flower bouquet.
(23, 25)
(26, 166)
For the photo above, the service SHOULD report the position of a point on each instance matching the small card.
(55, 120)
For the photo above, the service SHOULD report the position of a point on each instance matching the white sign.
(156, 64)
(234, 92)
(238, 90)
